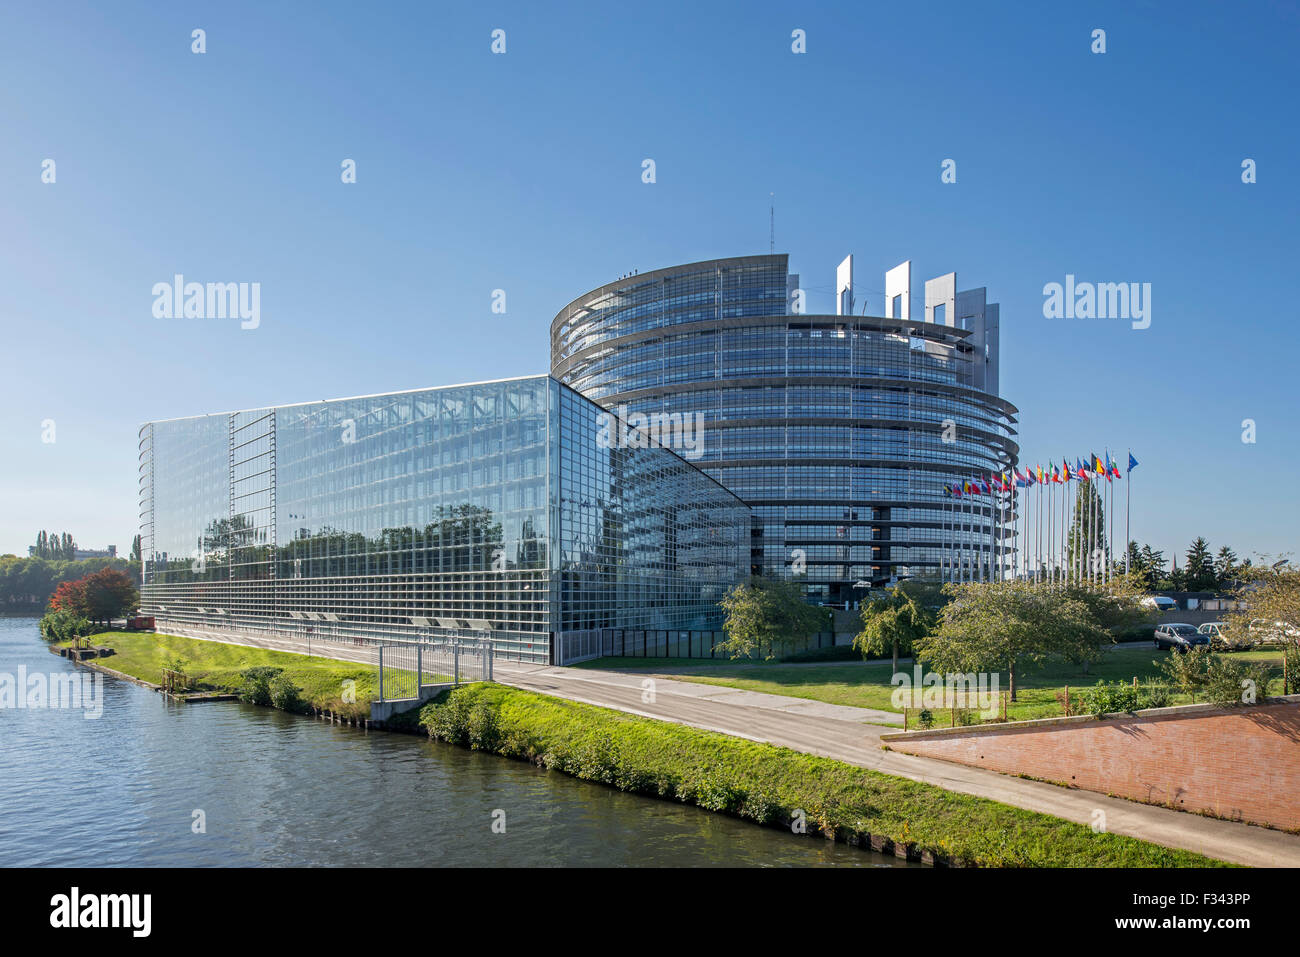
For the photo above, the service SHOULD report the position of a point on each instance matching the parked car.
(1223, 637)
(1272, 632)
(1160, 603)
(1180, 637)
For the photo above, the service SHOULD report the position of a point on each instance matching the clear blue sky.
(523, 172)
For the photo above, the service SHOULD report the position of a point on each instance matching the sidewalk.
(842, 733)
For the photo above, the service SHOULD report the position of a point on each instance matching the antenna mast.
(771, 216)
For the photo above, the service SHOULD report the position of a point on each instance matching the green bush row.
(269, 686)
(765, 783)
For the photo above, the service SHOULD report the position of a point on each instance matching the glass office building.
(498, 508)
(840, 431)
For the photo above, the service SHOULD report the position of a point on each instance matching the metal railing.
(407, 668)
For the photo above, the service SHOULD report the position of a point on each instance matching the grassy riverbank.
(214, 666)
(765, 783)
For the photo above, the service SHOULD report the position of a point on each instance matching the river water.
(278, 789)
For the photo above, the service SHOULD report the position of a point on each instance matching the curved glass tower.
(842, 432)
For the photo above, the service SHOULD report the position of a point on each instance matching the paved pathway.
(847, 734)
(840, 732)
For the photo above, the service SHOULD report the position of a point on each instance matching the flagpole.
(946, 555)
(1074, 538)
(1092, 526)
(944, 540)
(1110, 567)
(984, 570)
(964, 565)
(1128, 496)
(1069, 510)
(1051, 531)
(1065, 507)
(1037, 499)
(997, 532)
(1038, 561)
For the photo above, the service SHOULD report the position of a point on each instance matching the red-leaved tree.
(99, 596)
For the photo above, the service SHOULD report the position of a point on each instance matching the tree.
(135, 549)
(1133, 558)
(1153, 564)
(100, 596)
(767, 613)
(1086, 542)
(1200, 572)
(1006, 626)
(1225, 566)
(70, 596)
(892, 623)
(1271, 593)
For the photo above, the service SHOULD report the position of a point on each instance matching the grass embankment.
(214, 666)
(865, 684)
(766, 784)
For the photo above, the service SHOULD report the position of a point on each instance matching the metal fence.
(406, 668)
(658, 643)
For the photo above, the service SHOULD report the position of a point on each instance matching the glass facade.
(490, 505)
(841, 432)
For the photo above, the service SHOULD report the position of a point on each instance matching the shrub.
(1104, 698)
(761, 806)
(1224, 681)
(482, 730)
(284, 694)
(65, 625)
(1233, 682)
(712, 788)
(1153, 694)
(449, 720)
(925, 719)
(257, 684)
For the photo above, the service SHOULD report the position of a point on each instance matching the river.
(278, 789)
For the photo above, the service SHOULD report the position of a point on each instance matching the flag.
(1041, 480)
(1065, 469)
(1132, 462)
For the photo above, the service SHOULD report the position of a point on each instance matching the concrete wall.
(1239, 763)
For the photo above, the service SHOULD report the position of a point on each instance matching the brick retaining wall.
(1239, 763)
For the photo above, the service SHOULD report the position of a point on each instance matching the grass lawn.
(763, 782)
(866, 684)
(215, 667)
